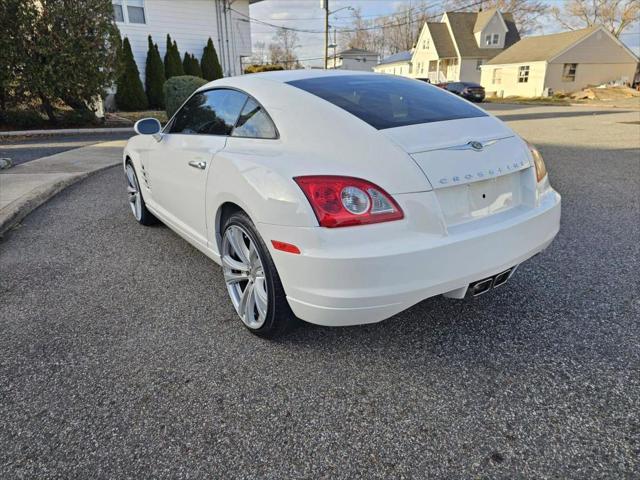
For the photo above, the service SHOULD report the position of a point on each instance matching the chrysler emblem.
(477, 146)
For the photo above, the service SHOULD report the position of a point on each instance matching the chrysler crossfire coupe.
(342, 198)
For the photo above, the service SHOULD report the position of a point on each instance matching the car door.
(454, 88)
(179, 167)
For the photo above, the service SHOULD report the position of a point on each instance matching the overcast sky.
(307, 15)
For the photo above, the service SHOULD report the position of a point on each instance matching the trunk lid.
(477, 166)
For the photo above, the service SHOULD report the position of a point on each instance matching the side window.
(213, 112)
(254, 122)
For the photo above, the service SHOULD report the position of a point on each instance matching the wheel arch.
(225, 210)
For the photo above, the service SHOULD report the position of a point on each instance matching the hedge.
(178, 89)
(262, 68)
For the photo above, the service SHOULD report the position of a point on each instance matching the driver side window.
(213, 112)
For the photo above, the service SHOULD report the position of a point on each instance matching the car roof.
(284, 76)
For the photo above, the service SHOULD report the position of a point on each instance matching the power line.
(373, 27)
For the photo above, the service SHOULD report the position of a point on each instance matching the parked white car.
(342, 198)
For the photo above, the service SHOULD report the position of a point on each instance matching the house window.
(479, 63)
(135, 11)
(497, 76)
(523, 74)
(492, 39)
(118, 14)
(425, 44)
(569, 72)
(129, 11)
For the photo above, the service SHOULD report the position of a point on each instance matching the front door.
(179, 167)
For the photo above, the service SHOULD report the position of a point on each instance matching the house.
(562, 62)
(190, 23)
(454, 48)
(354, 59)
(396, 64)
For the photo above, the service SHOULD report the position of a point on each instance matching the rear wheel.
(252, 280)
(138, 207)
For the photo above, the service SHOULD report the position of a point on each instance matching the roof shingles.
(442, 40)
(462, 26)
(541, 48)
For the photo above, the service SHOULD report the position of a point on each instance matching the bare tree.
(615, 15)
(389, 33)
(282, 51)
(528, 14)
(258, 54)
(401, 30)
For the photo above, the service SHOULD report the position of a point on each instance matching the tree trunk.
(48, 109)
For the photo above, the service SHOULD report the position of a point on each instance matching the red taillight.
(346, 201)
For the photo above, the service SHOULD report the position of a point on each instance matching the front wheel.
(134, 195)
(252, 280)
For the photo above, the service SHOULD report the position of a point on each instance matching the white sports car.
(342, 198)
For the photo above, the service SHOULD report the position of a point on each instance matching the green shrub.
(154, 77)
(172, 62)
(178, 89)
(211, 69)
(262, 68)
(22, 120)
(130, 95)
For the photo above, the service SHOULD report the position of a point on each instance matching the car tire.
(252, 279)
(136, 200)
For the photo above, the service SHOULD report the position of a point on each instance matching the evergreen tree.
(191, 66)
(130, 95)
(172, 61)
(196, 70)
(186, 63)
(211, 69)
(154, 77)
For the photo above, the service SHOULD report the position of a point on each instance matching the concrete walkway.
(25, 187)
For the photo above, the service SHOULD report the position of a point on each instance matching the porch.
(443, 70)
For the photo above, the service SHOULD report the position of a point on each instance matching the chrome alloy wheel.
(244, 276)
(133, 191)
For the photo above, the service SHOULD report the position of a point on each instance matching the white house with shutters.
(190, 23)
(455, 48)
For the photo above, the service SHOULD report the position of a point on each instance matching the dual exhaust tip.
(486, 284)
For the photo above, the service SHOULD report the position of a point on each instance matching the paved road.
(25, 149)
(120, 356)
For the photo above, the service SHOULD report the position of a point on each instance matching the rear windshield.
(385, 101)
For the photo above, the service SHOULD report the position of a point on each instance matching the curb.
(23, 207)
(64, 131)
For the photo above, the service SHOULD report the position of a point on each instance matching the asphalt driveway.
(25, 149)
(121, 357)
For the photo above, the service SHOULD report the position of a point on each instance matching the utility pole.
(335, 46)
(325, 5)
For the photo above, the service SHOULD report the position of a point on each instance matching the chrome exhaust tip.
(483, 286)
(486, 284)
(501, 278)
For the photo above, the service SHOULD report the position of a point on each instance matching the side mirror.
(147, 126)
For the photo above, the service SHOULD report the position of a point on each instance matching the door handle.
(198, 164)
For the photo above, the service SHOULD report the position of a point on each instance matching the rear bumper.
(367, 274)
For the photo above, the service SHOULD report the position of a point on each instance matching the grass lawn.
(531, 101)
